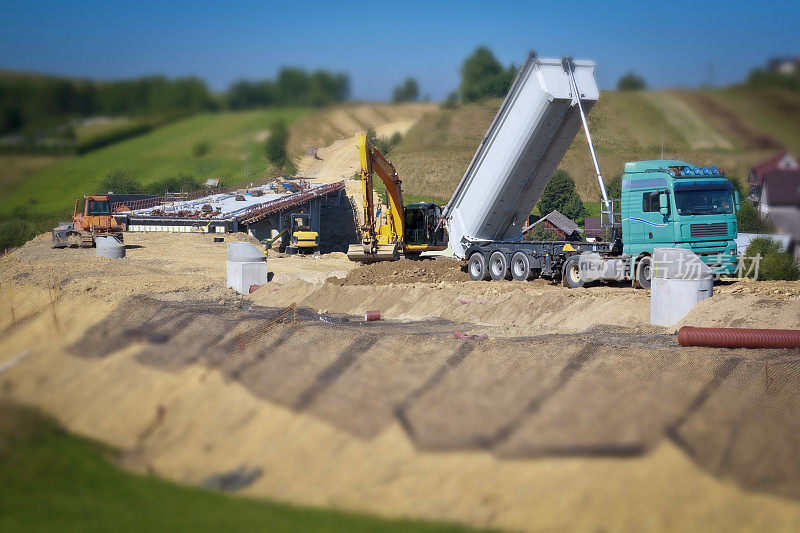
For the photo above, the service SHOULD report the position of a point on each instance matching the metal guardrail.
(257, 212)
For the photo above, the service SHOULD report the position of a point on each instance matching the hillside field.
(731, 128)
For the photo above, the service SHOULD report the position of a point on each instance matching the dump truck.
(92, 220)
(665, 203)
(410, 229)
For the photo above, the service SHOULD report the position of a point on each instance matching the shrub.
(121, 182)
(383, 144)
(180, 183)
(451, 102)
(201, 148)
(275, 147)
(483, 76)
(540, 232)
(749, 220)
(774, 264)
(631, 82)
(408, 91)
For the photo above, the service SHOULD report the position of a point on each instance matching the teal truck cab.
(672, 204)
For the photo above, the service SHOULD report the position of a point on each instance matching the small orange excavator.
(92, 221)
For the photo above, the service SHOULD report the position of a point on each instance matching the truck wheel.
(572, 273)
(644, 273)
(521, 267)
(476, 266)
(498, 266)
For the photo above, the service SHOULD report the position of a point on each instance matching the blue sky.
(380, 43)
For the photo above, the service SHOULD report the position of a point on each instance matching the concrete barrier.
(246, 266)
(680, 281)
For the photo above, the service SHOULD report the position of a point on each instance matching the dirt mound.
(427, 270)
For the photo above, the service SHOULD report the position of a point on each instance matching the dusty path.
(586, 418)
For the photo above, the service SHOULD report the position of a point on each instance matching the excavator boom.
(377, 245)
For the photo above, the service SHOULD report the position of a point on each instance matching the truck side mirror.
(736, 200)
(663, 203)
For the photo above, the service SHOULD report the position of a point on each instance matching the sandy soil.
(574, 414)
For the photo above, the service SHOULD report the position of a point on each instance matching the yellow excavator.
(410, 230)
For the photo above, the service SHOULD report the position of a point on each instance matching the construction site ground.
(574, 412)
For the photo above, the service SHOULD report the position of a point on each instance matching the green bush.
(201, 148)
(749, 220)
(774, 264)
(483, 76)
(451, 102)
(540, 232)
(614, 188)
(180, 183)
(275, 148)
(383, 144)
(120, 182)
(631, 82)
(408, 91)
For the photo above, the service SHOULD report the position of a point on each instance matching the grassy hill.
(733, 128)
(53, 481)
(164, 152)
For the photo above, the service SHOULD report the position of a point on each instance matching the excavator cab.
(303, 238)
(422, 227)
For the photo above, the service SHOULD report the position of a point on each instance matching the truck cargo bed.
(522, 148)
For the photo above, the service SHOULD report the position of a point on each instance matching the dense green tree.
(560, 195)
(408, 91)
(483, 76)
(275, 147)
(631, 82)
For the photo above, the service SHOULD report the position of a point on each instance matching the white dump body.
(523, 147)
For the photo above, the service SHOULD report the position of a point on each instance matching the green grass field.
(164, 152)
(53, 481)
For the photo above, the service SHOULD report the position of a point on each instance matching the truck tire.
(572, 273)
(644, 272)
(476, 266)
(521, 267)
(498, 266)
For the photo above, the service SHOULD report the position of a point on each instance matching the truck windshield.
(704, 199)
(98, 207)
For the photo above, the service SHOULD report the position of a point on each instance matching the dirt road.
(575, 413)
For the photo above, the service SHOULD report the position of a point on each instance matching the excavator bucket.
(386, 252)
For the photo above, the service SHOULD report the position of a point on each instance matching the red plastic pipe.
(739, 338)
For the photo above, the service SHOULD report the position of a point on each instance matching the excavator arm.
(374, 162)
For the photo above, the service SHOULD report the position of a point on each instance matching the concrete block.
(672, 299)
(241, 275)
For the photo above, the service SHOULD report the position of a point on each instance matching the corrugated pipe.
(739, 338)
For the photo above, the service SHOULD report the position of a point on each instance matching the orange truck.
(92, 221)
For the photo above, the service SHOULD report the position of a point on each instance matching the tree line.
(33, 103)
(291, 87)
(43, 101)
